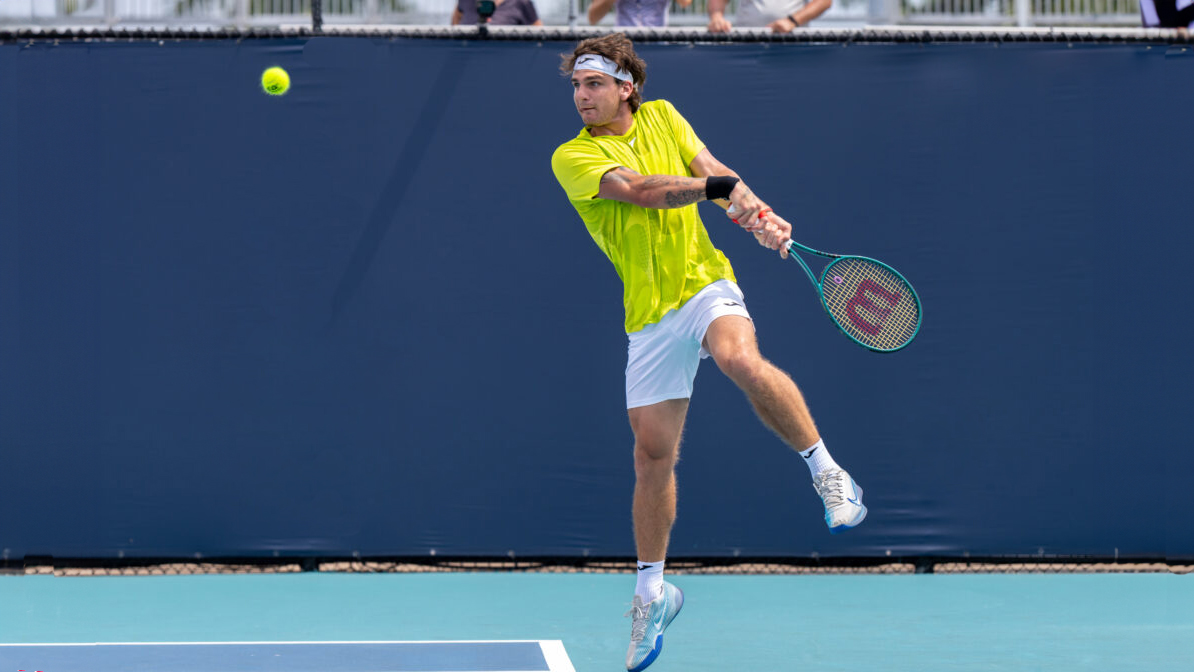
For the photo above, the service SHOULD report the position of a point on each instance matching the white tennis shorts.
(663, 357)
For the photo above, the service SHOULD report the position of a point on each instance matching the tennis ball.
(275, 81)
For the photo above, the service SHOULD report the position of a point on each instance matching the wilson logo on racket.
(862, 300)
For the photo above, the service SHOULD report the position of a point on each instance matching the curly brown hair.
(617, 48)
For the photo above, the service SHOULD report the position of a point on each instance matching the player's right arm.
(651, 191)
(585, 173)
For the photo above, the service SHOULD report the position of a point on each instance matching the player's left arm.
(769, 231)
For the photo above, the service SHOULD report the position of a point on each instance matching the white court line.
(355, 641)
(557, 659)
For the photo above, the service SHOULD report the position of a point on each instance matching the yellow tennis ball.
(275, 81)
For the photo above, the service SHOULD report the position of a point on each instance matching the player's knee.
(653, 456)
(741, 365)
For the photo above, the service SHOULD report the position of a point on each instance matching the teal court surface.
(296, 656)
(467, 622)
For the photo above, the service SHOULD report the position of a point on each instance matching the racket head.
(871, 303)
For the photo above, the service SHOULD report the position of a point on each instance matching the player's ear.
(627, 90)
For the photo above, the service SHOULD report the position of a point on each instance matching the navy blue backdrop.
(363, 317)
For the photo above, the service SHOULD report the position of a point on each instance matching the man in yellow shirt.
(634, 173)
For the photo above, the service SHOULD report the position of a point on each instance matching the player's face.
(597, 96)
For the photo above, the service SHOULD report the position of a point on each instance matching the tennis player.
(635, 173)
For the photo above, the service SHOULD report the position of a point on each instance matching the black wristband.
(719, 186)
(793, 20)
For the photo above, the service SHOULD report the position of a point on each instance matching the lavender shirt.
(508, 13)
(642, 12)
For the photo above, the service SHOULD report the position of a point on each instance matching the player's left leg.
(731, 341)
(657, 428)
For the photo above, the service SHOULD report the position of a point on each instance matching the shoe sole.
(842, 528)
(655, 650)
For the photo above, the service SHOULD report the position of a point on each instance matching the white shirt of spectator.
(760, 13)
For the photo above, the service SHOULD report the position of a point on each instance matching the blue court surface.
(468, 622)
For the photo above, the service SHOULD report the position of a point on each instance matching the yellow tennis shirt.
(664, 257)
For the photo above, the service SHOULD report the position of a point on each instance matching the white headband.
(602, 64)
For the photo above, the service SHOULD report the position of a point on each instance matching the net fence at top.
(870, 35)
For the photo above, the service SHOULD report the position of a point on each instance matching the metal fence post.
(875, 10)
(1023, 13)
(882, 12)
(573, 7)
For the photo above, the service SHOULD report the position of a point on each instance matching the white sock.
(818, 459)
(650, 580)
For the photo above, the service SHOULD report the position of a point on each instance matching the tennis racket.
(869, 301)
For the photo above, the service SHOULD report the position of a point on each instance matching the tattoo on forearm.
(681, 197)
(678, 190)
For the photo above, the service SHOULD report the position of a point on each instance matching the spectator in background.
(506, 13)
(781, 16)
(1168, 14)
(651, 13)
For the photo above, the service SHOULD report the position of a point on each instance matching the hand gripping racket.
(869, 301)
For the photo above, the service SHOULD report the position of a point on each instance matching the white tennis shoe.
(843, 500)
(650, 620)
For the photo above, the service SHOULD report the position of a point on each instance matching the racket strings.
(871, 303)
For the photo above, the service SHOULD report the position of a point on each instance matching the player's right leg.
(779, 404)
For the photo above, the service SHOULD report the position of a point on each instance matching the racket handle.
(732, 210)
(790, 246)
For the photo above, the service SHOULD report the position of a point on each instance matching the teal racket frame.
(819, 284)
